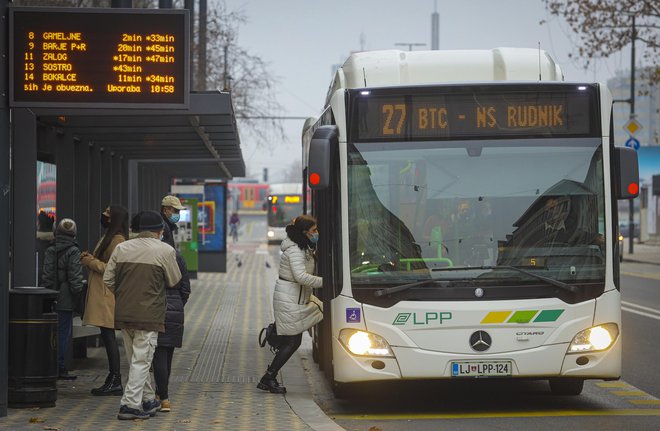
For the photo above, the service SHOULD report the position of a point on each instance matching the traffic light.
(265, 175)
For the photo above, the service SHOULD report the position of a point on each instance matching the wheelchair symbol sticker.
(352, 315)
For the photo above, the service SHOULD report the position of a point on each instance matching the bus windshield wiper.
(401, 288)
(567, 287)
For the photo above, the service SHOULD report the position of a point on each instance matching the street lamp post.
(631, 208)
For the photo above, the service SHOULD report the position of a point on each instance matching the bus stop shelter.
(124, 156)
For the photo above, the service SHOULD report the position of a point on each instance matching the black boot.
(112, 386)
(269, 383)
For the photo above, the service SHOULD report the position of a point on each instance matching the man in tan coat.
(138, 272)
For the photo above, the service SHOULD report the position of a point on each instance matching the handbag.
(80, 300)
(268, 335)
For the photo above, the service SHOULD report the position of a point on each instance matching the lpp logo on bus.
(422, 318)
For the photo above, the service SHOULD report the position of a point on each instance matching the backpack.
(269, 335)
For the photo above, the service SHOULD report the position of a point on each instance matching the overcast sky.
(302, 39)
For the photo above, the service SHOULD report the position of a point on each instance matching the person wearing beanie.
(138, 272)
(62, 271)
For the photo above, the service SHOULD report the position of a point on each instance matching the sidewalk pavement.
(214, 374)
(642, 253)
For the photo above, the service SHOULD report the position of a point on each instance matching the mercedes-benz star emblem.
(480, 341)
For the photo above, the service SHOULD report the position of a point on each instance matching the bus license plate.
(481, 369)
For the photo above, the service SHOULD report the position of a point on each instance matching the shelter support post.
(24, 198)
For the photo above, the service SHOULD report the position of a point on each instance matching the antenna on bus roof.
(364, 74)
(540, 61)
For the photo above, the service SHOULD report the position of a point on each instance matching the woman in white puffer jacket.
(296, 309)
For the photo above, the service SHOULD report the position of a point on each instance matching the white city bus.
(283, 203)
(467, 207)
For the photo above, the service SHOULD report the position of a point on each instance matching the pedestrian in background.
(62, 271)
(138, 272)
(295, 308)
(100, 302)
(172, 337)
(234, 223)
(170, 207)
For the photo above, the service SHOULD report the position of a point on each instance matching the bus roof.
(400, 68)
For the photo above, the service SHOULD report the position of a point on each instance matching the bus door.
(326, 207)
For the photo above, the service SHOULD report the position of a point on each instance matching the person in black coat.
(173, 335)
(62, 271)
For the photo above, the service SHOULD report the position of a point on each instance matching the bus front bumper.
(540, 363)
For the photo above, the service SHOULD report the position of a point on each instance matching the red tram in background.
(246, 196)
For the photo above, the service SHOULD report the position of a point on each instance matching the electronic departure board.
(483, 113)
(99, 57)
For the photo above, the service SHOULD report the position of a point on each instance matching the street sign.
(632, 127)
(632, 143)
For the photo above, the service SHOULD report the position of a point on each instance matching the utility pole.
(201, 62)
(435, 28)
(409, 44)
(225, 76)
(631, 208)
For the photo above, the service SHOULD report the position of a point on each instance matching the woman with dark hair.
(100, 302)
(295, 308)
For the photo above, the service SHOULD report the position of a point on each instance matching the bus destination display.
(99, 57)
(411, 117)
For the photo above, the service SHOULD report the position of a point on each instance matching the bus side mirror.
(626, 170)
(320, 150)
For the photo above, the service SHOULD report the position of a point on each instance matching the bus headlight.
(271, 234)
(593, 339)
(365, 343)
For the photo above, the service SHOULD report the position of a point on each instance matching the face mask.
(314, 238)
(174, 218)
(105, 221)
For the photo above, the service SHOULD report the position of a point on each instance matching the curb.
(301, 399)
(310, 413)
(625, 259)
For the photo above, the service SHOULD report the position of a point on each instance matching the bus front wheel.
(566, 386)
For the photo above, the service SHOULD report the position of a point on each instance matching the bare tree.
(605, 27)
(248, 78)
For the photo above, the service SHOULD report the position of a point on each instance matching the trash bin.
(32, 371)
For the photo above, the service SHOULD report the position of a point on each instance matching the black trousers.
(288, 347)
(111, 349)
(162, 364)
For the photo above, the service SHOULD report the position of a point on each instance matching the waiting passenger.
(63, 272)
(170, 208)
(100, 302)
(172, 336)
(138, 272)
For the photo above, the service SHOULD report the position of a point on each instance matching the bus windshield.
(444, 209)
(283, 208)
